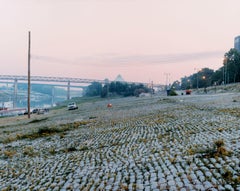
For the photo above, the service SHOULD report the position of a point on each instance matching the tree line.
(116, 88)
(43, 88)
(228, 73)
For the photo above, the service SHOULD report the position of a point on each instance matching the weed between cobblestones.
(216, 150)
(29, 151)
(9, 153)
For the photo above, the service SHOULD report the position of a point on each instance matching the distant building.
(237, 43)
(8, 104)
(119, 79)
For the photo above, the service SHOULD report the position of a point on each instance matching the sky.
(157, 41)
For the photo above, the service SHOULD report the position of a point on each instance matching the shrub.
(172, 93)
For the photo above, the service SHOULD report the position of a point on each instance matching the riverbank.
(188, 142)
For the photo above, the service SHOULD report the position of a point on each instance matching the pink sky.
(143, 40)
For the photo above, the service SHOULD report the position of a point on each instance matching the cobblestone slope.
(154, 143)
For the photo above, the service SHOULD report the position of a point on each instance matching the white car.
(72, 106)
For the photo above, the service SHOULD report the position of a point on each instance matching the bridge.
(63, 81)
(70, 82)
(49, 79)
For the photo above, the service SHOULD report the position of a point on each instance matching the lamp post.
(189, 84)
(205, 85)
(197, 80)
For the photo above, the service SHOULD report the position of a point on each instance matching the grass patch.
(229, 177)
(42, 132)
(9, 153)
(52, 150)
(231, 111)
(38, 120)
(8, 140)
(29, 151)
(48, 131)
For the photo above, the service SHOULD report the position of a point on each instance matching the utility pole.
(29, 84)
(68, 90)
(152, 88)
(15, 94)
(53, 94)
(167, 79)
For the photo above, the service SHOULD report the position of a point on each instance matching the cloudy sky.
(143, 40)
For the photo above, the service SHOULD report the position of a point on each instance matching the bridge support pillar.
(68, 90)
(53, 95)
(15, 93)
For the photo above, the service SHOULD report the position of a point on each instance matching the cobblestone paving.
(154, 143)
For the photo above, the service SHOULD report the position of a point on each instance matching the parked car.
(188, 92)
(35, 110)
(72, 106)
(40, 111)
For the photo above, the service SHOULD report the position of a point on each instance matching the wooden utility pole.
(29, 58)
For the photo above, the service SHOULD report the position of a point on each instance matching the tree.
(121, 88)
(176, 85)
(185, 83)
(115, 88)
(201, 79)
(228, 73)
(94, 89)
(112, 87)
(104, 92)
(232, 66)
(217, 77)
(205, 77)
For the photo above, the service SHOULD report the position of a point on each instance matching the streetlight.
(205, 89)
(189, 84)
